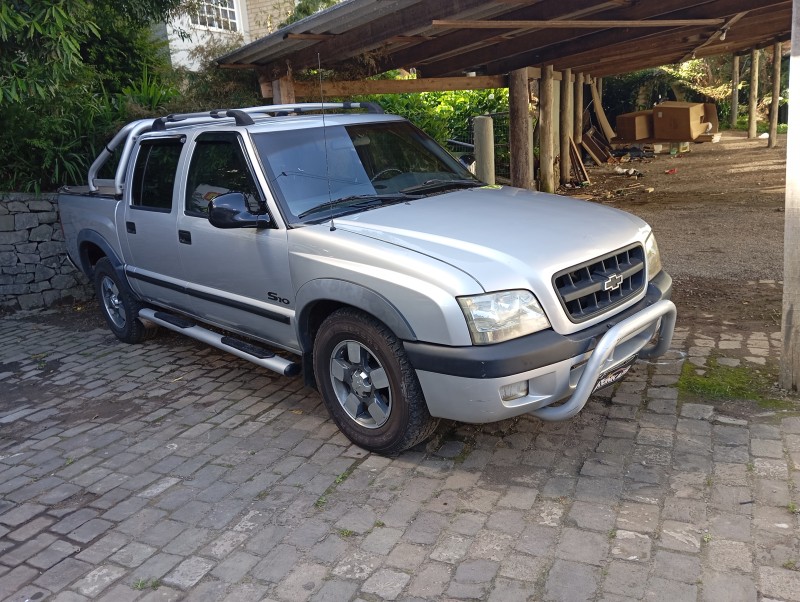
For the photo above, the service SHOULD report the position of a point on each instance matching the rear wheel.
(119, 305)
(368, 384)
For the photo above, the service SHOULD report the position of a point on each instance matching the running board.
(247, 351)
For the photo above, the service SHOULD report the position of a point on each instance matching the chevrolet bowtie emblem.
(613, 282)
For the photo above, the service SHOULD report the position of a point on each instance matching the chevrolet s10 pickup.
(342, 242)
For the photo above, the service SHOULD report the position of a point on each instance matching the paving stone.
(582, 546)
(335, 590)
(133, 554)
(681, 537)
(406, 556)
(730, 556)
(625, 579)
(53, 554)
(676, 567)
(98, 580)
(90, 530)
(779, 583)
(189, 572)
(631, 546)
(21, 553)
(276, 564)
(103, 548)
(62, 574)
(15, 579)
(638, 517)
(724, 587)
(21, 514)
(697, 411)
(663, 590)
(592, 516)
(571, 581)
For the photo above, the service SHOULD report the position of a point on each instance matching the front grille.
(594, 287)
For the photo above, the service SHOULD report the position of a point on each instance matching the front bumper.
(464, 383)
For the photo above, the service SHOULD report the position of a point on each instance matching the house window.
(216, 14)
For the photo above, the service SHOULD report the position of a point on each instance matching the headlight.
(652, 256)
(502, 316)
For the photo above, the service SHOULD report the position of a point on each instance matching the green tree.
(306, 8)
(41, 46)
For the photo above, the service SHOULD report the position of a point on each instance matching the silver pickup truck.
(343, 242)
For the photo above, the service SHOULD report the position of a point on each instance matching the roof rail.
(241, 117)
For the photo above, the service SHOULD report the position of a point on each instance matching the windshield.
(318, 176)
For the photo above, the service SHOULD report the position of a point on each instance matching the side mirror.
(230, 210)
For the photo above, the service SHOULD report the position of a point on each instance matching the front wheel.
(368, 384)
(119, 305)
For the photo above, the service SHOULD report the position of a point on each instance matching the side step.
(248, 351)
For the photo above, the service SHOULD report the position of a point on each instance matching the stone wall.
(34, 269)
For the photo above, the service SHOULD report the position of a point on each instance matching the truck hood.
(502, 237)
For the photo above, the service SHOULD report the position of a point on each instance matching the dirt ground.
(718, 220)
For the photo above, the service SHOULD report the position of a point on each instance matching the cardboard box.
(635, 126)
(679, 121)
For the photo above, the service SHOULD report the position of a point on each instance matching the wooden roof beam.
(461, 42)
(623, 58)
(372, 34)
(313, 89)
(578, 24)
(599, 42)
(533, 48)
(720, 34)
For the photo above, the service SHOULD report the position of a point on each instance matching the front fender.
(348, 293)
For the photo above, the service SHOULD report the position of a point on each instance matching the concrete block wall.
(34, 269)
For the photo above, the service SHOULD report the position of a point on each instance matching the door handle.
(185, 237)
(130, 227)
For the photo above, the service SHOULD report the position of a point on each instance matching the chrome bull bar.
(662, 310)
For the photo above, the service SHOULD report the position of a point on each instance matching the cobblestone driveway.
(170, 471)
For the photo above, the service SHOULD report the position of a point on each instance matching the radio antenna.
(325, 141)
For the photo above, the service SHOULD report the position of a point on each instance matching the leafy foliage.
(443, 115)
(41, 46)
(306, 8)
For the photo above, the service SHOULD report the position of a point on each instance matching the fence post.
(483, 127)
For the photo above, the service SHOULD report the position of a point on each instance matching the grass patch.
(141, 584)
(726, 383)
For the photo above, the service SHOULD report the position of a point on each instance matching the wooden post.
(752, 118)
(577, 102)
(565, 127)
(790, 354)
(283, 90)
(599, 83)
(519, 116)
(546, 155)
(735, 92)
(776, 95)
(483, 131)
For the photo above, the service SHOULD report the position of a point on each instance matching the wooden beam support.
(720, 34)
(546, 156)
(777, 49)
(752, 116)
(283, 90)
(790, 324)
(577, 103)
(565, 126)
(308, 89)
(470, 42)
(542, 48)
(318, 37)
(577, 24)
(735, 91)
(519, 99)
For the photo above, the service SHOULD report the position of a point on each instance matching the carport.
(564, 44)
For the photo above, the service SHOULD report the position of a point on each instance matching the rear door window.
(154, 173)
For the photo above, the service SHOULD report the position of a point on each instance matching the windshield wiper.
(439, 183)
(354, 201)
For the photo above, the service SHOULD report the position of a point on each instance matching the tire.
(119, 306)
(368, 384)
